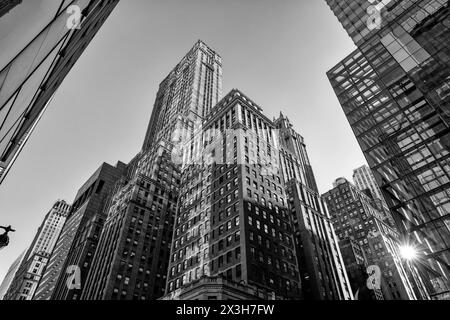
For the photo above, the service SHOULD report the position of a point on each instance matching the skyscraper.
(320, 262)
(204, 212)
(30, 271)
(395, 92)
(237, 221)
(186, 95)
(77, 242)
(364, 179)
(145, 203)
(356, 217)
(133, 251)
(10, 275)
(232, 220)
(39, 47)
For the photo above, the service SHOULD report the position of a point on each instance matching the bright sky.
(276, 51)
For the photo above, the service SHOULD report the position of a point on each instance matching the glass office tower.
(39, 45)
(395, 92)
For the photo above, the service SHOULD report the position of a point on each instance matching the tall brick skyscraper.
(239, 219)
(133, 250)
(187, 94)
(134, 247)
(395, 92)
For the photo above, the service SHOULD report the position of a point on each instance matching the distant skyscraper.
(31, 270)
(364, 179)
(7, 5)
(48, 233)
(37, 52)
(10, 275)
(356, 217)
(77, 242)
(395, 92)
(322, 270)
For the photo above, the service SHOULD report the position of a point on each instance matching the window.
(229, 240)
(238, 271)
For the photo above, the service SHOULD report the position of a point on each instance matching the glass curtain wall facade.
(395, 92)
(38, 49)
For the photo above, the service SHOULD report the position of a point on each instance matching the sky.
(277, 52)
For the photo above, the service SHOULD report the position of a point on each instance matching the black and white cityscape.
(222, 199)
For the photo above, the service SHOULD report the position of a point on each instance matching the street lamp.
(4, 239)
